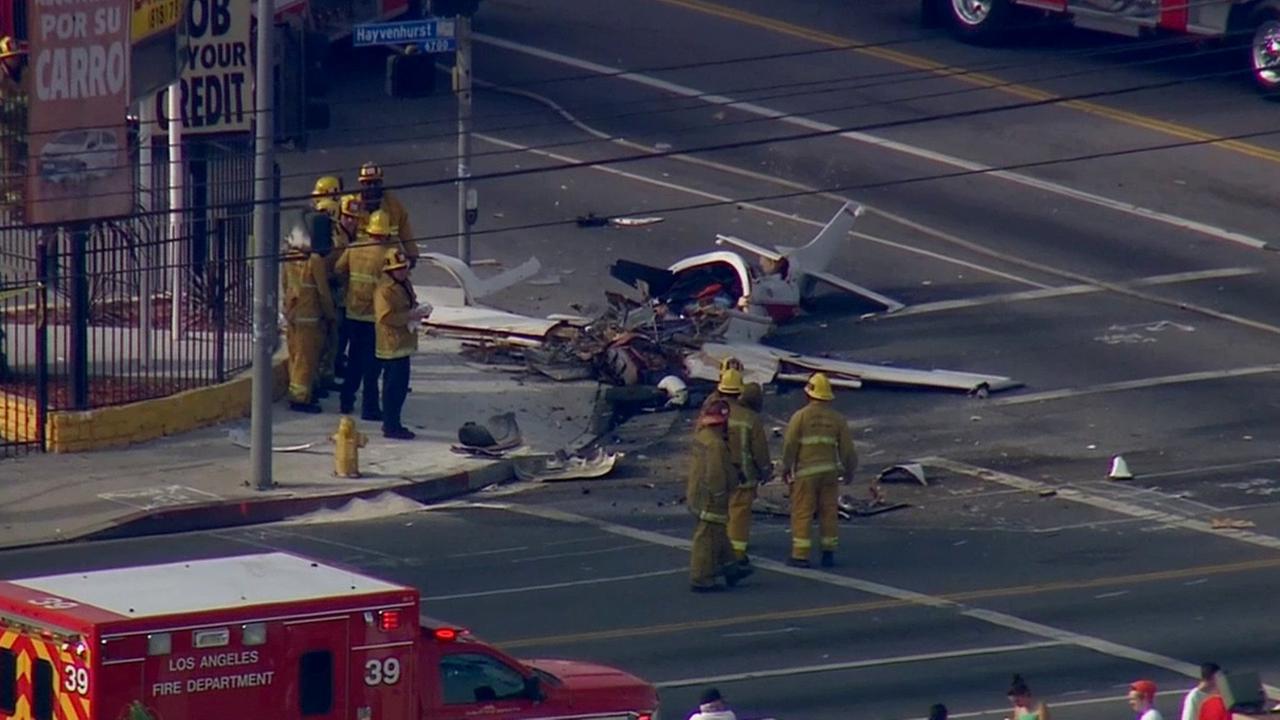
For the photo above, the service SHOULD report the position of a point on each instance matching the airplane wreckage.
(690, 316)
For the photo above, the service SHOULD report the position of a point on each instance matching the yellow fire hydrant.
(346, 457)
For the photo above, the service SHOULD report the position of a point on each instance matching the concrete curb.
(252, 511)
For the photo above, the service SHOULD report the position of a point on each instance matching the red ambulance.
(270, 636)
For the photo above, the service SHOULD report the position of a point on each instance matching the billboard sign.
(217, 73)
(78, 161)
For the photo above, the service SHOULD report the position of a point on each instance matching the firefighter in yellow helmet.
(361, 265)
(327, 187)
(308, 306)
(345, 234)
(13, 124)
(707, 497)
(399, 315)
(375, 197)
(329, 352)
(817, 453)
(726, 364)
(749, 452)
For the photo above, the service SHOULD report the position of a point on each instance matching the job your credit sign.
(217, 75)
(78, 165)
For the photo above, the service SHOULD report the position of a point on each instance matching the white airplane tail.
(816, 256)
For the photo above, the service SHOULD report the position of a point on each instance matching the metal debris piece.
(563, 466)
(499, 433)
(240, 438)
(1230, 524)
(634, 222)
(849, 507)
(906, 472)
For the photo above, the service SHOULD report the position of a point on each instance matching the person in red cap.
(1142, 698)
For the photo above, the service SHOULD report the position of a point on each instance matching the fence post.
(42, 338)
(78, 350)
(219, 286)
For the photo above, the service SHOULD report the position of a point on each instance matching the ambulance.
(271, 636)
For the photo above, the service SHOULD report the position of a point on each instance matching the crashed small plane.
(773, 290)
(748, 301)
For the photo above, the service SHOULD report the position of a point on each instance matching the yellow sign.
(151, 17)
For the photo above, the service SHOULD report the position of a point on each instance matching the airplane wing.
(841, 284)
(748, 246)
(473, 287)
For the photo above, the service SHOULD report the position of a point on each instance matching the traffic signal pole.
(462, 86)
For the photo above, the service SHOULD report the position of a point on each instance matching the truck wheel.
(978, 21)
(1264, 51)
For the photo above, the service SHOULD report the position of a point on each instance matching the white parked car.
(80, 156)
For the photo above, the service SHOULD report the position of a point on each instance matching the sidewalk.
(200, 480)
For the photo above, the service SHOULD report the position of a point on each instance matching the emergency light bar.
(388, 620)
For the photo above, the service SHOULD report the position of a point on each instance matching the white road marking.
(556, 586)
(1138, 384)
(991, 617)
(1117, 593)
(1120, 507)
(499, 551)
(892, 145)
(578, 553)
(759, 633)
(1066, 291)
(856, 664)
(1210, 468)
(758, 208)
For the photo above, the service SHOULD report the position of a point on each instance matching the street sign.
(408, 32)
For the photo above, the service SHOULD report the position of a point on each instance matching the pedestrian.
(938, 712)
(308, 306)
(1025, 705)
(817, 454)
(375, 197)
(713, 707)
(13, 114)
(1142, 698)
(707, 496)
(361, 265)
(398, 318)
(1203, 690)
(749, 452)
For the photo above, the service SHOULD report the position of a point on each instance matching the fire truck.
(270, 636)
(1252, 26)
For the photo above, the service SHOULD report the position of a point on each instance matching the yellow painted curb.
(121, 425)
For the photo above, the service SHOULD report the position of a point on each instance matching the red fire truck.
(1252, 26)
(270, 636)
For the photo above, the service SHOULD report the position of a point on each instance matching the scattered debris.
(1230, 524)
(908, 472)
(634, 222)
(500, 434)
(563, 466)
(1048, 492)
(240, 438)
(850, 508)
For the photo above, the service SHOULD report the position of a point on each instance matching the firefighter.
(749, 451)
(327, 187)
(13, 127)
(396, 307)
(707, 494)
(334, 360)
(817, 453)
(376, 198)
(727, 364)
(308, 306)
(361, 265)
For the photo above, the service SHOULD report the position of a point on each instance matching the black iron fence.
(116, 312)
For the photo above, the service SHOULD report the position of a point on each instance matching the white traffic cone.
(1119, 469)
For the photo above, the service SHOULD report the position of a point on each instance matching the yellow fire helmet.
(10, 48)
(395, 261)
(730, 382)
(351, 206)
(819, 388)
(370, 172)
(379, 224)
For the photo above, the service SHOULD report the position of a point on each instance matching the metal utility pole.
(462, 86)
(265, 252)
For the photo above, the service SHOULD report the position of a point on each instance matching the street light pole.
(462, 86)
(265, 251)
